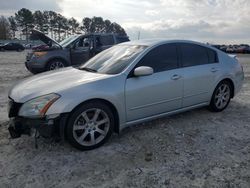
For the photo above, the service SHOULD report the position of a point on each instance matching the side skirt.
(130, 123)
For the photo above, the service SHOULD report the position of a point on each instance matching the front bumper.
(19, 126)
(47, 127)
(33, 68)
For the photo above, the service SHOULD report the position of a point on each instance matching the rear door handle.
(214, 69)
(175, 77)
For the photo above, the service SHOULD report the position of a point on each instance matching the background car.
(72, 51)
(243, 49)
(127, 84)
(1, 46)
(28, 46)
(12, 46)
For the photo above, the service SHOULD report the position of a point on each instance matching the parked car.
(243, 49)
(13, 46)
(124, 85)
(28, 46)
(231, 49)
(223, 48)
(74, 50)
(1, 46)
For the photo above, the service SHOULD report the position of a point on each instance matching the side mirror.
(143, 71)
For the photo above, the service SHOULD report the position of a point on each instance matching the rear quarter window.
(212, 56)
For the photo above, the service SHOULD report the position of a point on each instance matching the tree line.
(54, 24)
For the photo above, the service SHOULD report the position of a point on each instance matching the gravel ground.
(193, 149)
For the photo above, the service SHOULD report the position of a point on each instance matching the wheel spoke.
(220, 90)
(218, 102)
(85, 116)
(78, 127)
(102, 122)
(216, 96)
(223, 88)
(83, 136)
(97, 112)
(100, 131)
(225, 97)
(226, 93)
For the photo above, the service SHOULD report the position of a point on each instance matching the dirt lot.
(192, 149)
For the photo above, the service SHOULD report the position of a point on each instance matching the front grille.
(13, 108)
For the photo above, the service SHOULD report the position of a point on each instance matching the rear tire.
(90, 126)
(221, 96)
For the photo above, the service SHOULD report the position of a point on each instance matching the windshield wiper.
(87, 69)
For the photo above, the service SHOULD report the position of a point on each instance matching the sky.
(214, 21)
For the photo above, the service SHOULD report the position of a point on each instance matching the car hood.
(38, 35)
(52, 82)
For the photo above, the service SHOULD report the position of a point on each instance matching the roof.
(158, 41)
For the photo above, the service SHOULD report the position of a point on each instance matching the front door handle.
(214, 69)
(176, 77)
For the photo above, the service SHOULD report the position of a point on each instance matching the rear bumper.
(239, 81)
(47, 127)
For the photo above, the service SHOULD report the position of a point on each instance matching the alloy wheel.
(56, 65)
(222, 96)
(91, 127)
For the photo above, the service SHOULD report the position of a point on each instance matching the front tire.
(221, 96)
(55, 64)
(90, 126)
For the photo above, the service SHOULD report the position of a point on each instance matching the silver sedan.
(127, 84)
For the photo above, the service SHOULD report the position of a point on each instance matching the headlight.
(37, 107)
(39, 54)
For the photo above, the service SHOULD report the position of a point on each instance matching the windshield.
(68, 40)
(113, 60)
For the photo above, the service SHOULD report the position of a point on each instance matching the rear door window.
(192, 55)
(161, 58)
